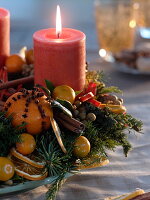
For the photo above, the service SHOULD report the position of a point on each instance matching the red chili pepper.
(86, 97)
(95, 102)
(92, 87)
(80, 95)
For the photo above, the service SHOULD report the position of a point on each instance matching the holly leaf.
(47, 91)
(49, 85)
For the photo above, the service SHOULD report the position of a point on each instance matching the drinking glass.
(115, 24)
(142, 8)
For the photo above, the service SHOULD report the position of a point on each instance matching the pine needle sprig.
(95, 76)
(8, 134)
(51, 154)
(105, 90)
(55, 187)
(56, 161)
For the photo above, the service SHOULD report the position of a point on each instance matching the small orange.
(81, 147)
(64, 92)
(26, 145)
(6, 169)
(29, 55)
(14, 63)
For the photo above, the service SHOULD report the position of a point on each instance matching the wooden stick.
(16, 82)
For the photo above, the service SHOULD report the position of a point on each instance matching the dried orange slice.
(28, 171)
(30, 159)
(115, 108)
(92, 162)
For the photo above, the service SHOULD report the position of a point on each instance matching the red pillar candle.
(4, 35)
(60, 60)
(60, 56)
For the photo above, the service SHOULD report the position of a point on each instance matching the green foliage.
(56, 161)
(46, 90)
(110, 129)
(8, 134)
(49, 85)
(52, 192)
(66, 104)
(111, 89)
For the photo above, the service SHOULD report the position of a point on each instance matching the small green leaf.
(111, 89)
(56, 104)
(49, 85)
(66, 104)
(78, 92)
(47, 91)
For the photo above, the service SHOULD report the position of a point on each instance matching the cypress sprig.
(8, 134)
(56, 161)
(55, 187)
(110, 130)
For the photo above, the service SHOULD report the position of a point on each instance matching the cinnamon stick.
(1, 105)
(16, 82)
(69, 126)
(72, 121)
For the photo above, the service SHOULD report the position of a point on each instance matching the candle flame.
(58, 22)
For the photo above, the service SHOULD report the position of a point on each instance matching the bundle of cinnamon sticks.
(16, 82)
(70, 123)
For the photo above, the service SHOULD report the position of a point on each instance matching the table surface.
(122, 174)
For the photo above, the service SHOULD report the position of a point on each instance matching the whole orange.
(64, 92)
(81, 147)
(26, 145)
(14, 63)
(29, 108)
(29, 55)
(6, 169)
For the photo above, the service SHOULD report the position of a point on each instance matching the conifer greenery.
(8, 134)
